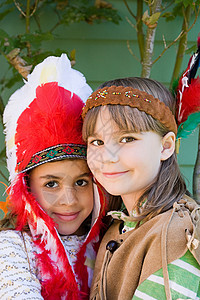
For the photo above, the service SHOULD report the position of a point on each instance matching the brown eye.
(97, 142)
(81, 182)
(51, 184)
(127, 139)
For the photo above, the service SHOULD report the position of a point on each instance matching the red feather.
(188, 92)
(198, 41)
(190, 100)
(52, 118)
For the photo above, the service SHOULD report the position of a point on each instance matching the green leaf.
(3, 153)
(154, 18)
(77, 11)
(145, 16)
(15, 78)
(3, 34)
(191, 49)
(73, 54)
(36, 39)
(5, 13)
(185, 3)
(6, 2)
(168, 15)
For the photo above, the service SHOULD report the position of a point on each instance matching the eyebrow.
(49, 176)
(85, 174)
(117, 132)
(94, 135)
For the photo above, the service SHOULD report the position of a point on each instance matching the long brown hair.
(169, 185)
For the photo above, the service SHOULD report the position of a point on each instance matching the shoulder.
(18, 272)
(14, 238)
(180, 218)
(181, 228)
(183, 217)
(15, 245)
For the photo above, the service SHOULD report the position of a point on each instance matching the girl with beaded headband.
(49, 240)
(154, 245)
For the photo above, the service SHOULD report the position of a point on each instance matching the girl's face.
(64, 190)
(125, 163)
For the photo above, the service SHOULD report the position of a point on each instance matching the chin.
(66, 232)
(113, 192)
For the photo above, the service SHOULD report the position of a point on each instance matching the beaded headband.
(134, 98)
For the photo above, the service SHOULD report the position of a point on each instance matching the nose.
(110, 153)
(67, 196)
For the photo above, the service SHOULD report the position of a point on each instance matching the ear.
(168, 145)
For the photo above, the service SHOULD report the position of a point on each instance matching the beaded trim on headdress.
(135, 98)
(57, 152)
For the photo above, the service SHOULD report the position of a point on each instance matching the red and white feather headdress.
(43, 123)
(34, 95)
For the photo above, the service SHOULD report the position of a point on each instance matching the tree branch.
(140, 34)
(138, 27)
(19, 8)
(132, 25)
(130, 11)
(168, 5)
(167, 47)
(154, 6)
(27, 17)
(183, 42)
(182, 33)
(58, 23)
(182, 45)
(131, 52)
(22, 12)
(35, 8)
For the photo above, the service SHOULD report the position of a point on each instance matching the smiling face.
(124, 162)
(64, 190)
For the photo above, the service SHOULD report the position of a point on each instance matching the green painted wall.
(102, 54)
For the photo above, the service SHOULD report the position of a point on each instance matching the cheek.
(49, 198)
(89, 194)
(86, 198)
(139, 159)
(37, 194)
(130, 157)
(92, 159)
(36, 191)
(45, 199)
(150, 163)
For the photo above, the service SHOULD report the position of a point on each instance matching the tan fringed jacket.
(133, 256)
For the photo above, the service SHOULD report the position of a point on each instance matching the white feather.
(51, 69)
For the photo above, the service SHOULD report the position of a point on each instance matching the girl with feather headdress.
(49, 240)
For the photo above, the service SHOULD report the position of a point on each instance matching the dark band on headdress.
(58, 152)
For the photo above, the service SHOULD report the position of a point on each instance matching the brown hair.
(169, 185)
